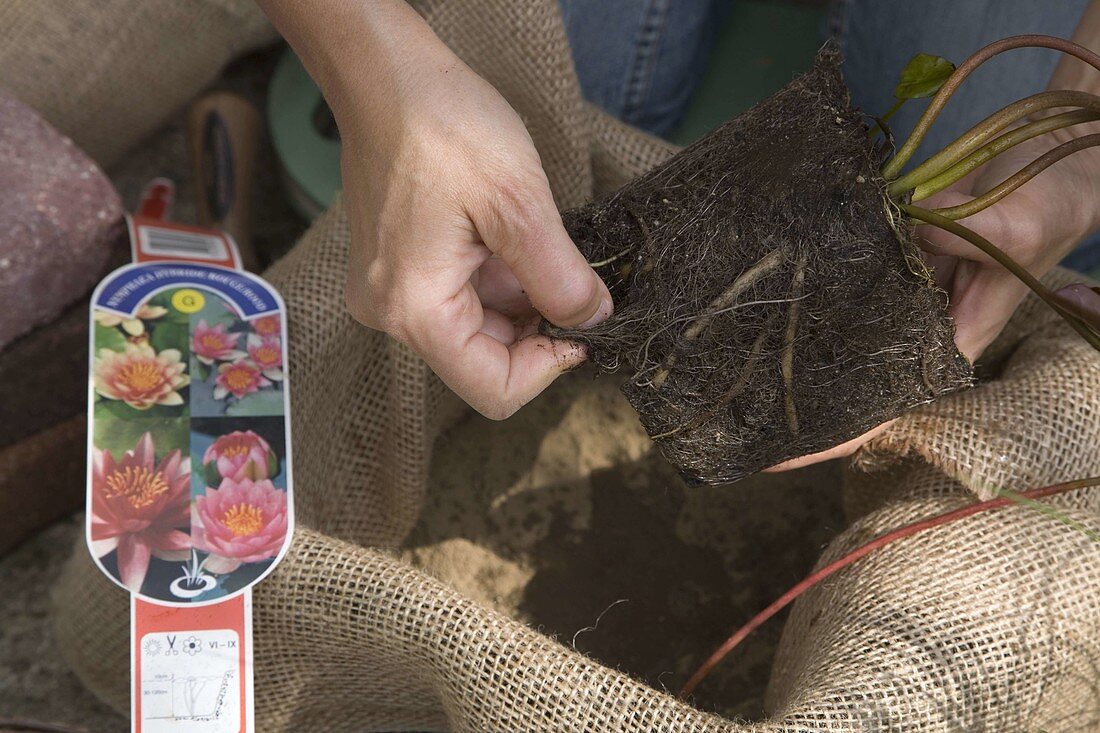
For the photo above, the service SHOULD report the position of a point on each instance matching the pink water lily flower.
(267, 354)
(238, 522)
(132, 325)
(238, 379)
(140, 508)
(240, 455)
(214, 343)
(140, 377)
(267, 326)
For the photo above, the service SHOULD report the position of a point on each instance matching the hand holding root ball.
(457, 249)
(1037, 225)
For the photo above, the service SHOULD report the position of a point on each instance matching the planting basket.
(991, 623)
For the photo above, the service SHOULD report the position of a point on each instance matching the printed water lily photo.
(188, 509)
(140, 508)
(140, 362)
(236, 365)
(239, 507)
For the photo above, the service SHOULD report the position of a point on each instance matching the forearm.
(360, 52)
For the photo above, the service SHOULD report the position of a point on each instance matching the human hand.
(1037, 225)
(457, 248)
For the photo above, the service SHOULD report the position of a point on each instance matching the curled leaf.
(923, 76)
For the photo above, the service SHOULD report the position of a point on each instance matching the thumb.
(522, 226)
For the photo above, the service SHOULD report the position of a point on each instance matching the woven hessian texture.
(989, 624)
(108, 72)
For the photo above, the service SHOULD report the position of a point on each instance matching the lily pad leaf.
(923, 76)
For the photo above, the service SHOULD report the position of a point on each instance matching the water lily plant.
(241, 521)
(133, 325)
(238, 378)
(266, 352)
(140, 376)
(239, 455)
(214, 343)
(140, 508)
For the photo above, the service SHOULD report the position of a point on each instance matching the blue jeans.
(642, 59)
(878, 37)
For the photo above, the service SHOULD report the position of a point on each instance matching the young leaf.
(923, 76)
(109, 338)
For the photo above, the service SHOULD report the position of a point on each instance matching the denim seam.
(654, 21)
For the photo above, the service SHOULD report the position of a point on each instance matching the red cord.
(816, 577)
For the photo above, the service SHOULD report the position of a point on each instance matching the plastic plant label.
(189, 468)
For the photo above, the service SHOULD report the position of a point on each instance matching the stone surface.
(59, 215)
(41, 480)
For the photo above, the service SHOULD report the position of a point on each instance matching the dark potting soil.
(769, 301)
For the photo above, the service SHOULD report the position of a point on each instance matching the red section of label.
(154, 240)
(157, 199)
(192, 667)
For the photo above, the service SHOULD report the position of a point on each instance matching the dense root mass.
(769, 302)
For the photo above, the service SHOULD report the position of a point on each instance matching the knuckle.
(497, 410)
(521, 213)
(374, 299)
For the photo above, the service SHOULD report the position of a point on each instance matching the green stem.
(894, 165)
(1044, 293)
(886, 117)
(980, 134)
(1049, 511)
(1019, 178)
(987, 152)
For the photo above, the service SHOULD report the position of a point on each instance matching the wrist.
(359, 53)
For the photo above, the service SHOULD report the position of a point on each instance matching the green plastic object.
(761, 47)
(304, 136)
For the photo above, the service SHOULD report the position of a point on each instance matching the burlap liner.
(106, 73)
(988, 624)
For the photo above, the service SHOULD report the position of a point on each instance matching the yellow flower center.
(238, 379)
(137, 484)
(212, 341)
(142, 376)
(243, 519)
(234, 449)
(266, 354)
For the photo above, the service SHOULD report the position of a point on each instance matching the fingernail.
(602, 313)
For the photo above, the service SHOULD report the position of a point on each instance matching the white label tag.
(190, 682)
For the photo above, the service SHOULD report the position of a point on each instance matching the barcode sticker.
(158, 240)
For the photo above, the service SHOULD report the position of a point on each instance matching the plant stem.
(949, 225)
(906, 531)
(881, 121)
(991, 150)
(980, 134)
(1017, 498)
(1019, 178)
(894, 165)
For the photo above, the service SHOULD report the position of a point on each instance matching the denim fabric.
(641, 59)
(878, 37)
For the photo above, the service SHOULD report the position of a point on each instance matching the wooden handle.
(223, 139)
